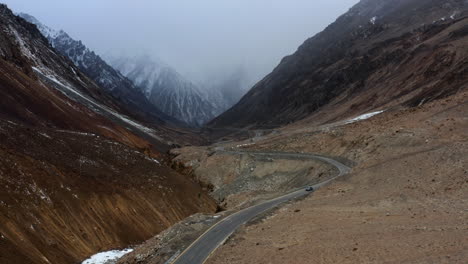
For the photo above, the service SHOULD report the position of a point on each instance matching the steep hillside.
(168, 90)
(377, 55)
(23, 46)
(66, 195)
(73, 176)
(110, 80)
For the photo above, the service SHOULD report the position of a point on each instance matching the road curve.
(201, 249)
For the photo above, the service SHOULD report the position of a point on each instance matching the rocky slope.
(66, 195)
(110, 80)
(73, 176)
(404, 202)
(379, 54)
(168, 90)
(57, 73)
(153, 89)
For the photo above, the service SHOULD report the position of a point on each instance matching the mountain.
(78, 174)
(148, 88)
(168, 90)
(380, 54)
(110, 80)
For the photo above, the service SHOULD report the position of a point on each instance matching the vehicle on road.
(309, 189)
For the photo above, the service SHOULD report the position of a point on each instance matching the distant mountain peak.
(159, 83)
(168, 89)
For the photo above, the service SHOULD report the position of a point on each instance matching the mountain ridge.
(344, 62)
(73, 156)
(112, 82)
(168, 89)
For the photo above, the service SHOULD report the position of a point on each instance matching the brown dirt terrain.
(68, 195)
(236, 180)
(405, 201)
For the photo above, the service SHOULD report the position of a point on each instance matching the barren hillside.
(78, 173)
(404, 202)
(381, 53)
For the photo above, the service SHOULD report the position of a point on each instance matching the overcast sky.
(200, 38)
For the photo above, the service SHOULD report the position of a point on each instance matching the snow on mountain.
(144, 83)
(158, 83)
(45, 30)
(81, 56)
(170, 91)
(110, 80)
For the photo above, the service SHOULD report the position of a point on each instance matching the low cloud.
(201, 39)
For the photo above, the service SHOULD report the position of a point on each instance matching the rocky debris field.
(238, 179)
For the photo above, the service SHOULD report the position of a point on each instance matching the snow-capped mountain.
(167, 89)
(110, 80)
(147, 84)
(81, 56)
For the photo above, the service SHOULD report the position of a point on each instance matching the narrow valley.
(352, 149)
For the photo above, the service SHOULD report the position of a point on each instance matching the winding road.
(199, 251)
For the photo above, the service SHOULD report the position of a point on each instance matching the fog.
(202, 39)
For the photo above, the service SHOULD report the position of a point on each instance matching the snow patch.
(454, 15)
(245, 145)
(153, 160)
(45, 135)
(363, 117)
(104, 257)
(373, 20)
(76, 133)
(132, 123)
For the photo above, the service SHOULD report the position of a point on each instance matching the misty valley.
(229, 132)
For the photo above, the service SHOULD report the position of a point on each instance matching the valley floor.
(405, 200)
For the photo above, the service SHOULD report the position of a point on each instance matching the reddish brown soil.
(65, 195)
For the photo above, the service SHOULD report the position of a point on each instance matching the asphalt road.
(200, 250)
